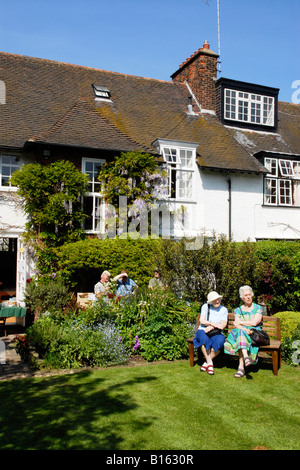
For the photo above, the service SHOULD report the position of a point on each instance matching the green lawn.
(153, 407)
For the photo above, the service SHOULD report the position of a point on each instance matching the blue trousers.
(216, 342)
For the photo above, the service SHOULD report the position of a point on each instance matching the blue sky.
(260, 39)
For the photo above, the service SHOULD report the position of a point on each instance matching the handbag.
(259, 338)
(214, 331)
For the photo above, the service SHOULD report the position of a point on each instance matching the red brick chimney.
(200, 72)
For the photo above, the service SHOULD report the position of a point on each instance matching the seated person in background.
(156, 280)
(102, 288)
(125, 285)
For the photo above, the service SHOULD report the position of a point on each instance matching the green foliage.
(131, 174)
(290, 348)
(278, 283)
(82, 262)
(136, 177)
(73, 343)
(154, 326)
(288, 323)
(234, 263)
(220, 265)
(22, 347)
(51, 197)
(47, 293)
(161, 322)
(296, 274)
(43, 334)
(271, 268)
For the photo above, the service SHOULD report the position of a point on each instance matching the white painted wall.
(250, 219)
(12, 217)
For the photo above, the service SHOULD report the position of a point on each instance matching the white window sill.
(181, 201)
(9, 189)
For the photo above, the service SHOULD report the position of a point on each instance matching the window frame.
(260, 107)
(280, 182)
(101, 93)
(98, 210)
(14, 166)
(87, 172)
(178, 170)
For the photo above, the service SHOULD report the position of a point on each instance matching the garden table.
(6, 312)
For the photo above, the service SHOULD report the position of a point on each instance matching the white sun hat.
(213, 296)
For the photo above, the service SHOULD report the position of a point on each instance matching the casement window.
(8, 165)
(282, 184)
(180, 167)
(249, 107)
(93, 204)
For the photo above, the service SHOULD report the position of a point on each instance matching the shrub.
(161, 322)
(278, 281)
(219, 265)
(82, 346)
(73, 343)
(43, 333)
(82, 262)
(288, 323)
(51, 200)
(47, 293)
(290, 348)
(272, 268)
(290, 335)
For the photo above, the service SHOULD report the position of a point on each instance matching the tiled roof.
(285, 140)
(97, 131)
(53, 103)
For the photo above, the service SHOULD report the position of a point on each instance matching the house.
(232, 150)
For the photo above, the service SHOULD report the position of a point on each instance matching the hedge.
(82, 262)
(272, 268)
(288, 323)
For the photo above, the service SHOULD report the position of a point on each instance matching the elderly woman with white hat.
(209, 336)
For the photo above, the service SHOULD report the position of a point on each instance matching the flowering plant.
(22, 347)
(136, 343)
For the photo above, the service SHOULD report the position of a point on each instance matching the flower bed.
(154, 326)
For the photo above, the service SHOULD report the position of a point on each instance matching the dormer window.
(247, 105)
(101, 92)
(180, 161)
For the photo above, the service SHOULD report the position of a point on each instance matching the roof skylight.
(101, 92)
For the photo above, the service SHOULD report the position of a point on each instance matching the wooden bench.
(270, 324)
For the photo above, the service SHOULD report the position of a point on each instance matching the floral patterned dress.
(239, 339)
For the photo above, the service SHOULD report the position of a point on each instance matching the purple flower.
(137, 343)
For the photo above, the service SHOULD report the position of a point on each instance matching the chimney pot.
(206, 45)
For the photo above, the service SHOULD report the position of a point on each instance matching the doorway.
(8, 267)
